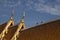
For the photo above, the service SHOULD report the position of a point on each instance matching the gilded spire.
(22, 20)
(23, 15)
(12, 13)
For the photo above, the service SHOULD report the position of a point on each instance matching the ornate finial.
(12, 12)
(23, 15)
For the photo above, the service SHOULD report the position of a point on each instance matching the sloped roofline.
(45, 22)
(50, 21)
(3, 23)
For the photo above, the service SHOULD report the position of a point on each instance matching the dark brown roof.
(2, 26)
(48, 31)
(11, 32)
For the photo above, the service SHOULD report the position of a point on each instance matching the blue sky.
(36, 10)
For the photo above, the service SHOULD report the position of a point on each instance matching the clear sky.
(36, 10)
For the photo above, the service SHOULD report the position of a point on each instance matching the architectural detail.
(9, 23)
(20, 26)
(44, 31)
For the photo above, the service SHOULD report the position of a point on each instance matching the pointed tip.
(24, 13)
(12, 11)
(12, 14)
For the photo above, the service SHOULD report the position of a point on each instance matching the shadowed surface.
(11, 32)
(2, 26)
(47, 31)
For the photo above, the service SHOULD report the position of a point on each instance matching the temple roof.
(45, 31)
(2, 26)
(11, 32)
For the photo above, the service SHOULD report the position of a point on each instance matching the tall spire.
(12, 13)
(23, 15)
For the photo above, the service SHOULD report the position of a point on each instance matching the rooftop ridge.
(45, 22)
